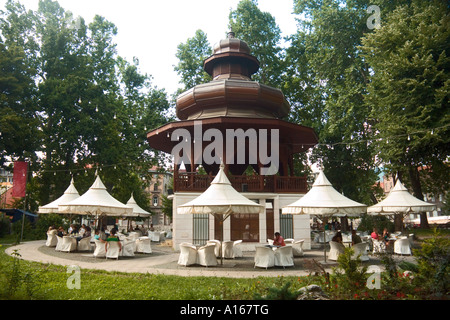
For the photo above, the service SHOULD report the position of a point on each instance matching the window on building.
(245, 227)
(155, 201)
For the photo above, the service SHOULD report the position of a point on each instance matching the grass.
(49, 282)
(20, 279)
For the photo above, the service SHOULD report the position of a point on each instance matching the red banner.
(20, 179)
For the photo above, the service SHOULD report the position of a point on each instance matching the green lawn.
(21, 279)
(50, 282)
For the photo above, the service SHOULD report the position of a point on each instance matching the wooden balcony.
(186, 182)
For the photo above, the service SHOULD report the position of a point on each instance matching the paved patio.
(163, 260)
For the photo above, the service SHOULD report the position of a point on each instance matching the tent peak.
(399, 186)
(98, 184)
(221, 177)
(321, 180)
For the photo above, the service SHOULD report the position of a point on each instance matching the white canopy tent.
(324, 201)
(400, 200)
(96, 201)
(221, 200)
(137, 210)
(70, 194)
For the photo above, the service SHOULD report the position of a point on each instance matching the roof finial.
(231, 33)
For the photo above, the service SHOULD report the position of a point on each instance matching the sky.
(151, 30)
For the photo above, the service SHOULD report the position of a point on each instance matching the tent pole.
(24, 203)
(23, 223)
(221, 242)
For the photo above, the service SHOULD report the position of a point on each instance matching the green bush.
(4, 225)
(433, 264)
(368, 222)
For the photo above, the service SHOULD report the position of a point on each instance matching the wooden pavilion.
(231, 101)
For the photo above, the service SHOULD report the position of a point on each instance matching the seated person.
(374, 234)
(386, 236)
(87, 233)
(278, 241)
(82, 230)
(113, 237)
(337, 237)
(355, 238)
(97, 234)
(61, 232)
(102, 234)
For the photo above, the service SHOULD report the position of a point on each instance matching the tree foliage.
(191, 56)
(409, 91)
(262, 34)
(69, 97)
(326, 82)
(377, 98)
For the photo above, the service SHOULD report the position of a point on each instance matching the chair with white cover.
(288, 241)
(52, 241)
(143, 245)
(411, 239)
(237, 249)
(402, 246)
(69, 244)
(336, 249)
(59, 244)
(84, 244)
(99, 248)
(188, 255)
(156, 236)
(218, 247)
(319, 237)
(379, 246)
(113, 249)
(297, 248)
(133, 235)
(284, 257)
(128, 247)
(360, 248)
(264, 257)
(227, 249)
(206, 255)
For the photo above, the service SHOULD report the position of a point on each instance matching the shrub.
(433, 264)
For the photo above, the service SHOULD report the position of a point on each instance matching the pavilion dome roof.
(231, 92)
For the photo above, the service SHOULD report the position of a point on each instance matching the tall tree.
(326, 82)
(409, 92)
(19, 136)
(261, 32)
(191, 55)
(91, 107)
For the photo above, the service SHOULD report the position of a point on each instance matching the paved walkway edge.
(29, 251)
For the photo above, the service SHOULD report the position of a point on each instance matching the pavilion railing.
(184, 182)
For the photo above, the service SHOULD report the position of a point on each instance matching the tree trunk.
(417, 192)
(398, 222)
(344, 224)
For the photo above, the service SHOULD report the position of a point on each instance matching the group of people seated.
(80, 232)
(381, 237)
(85, 231)
(355, 238)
